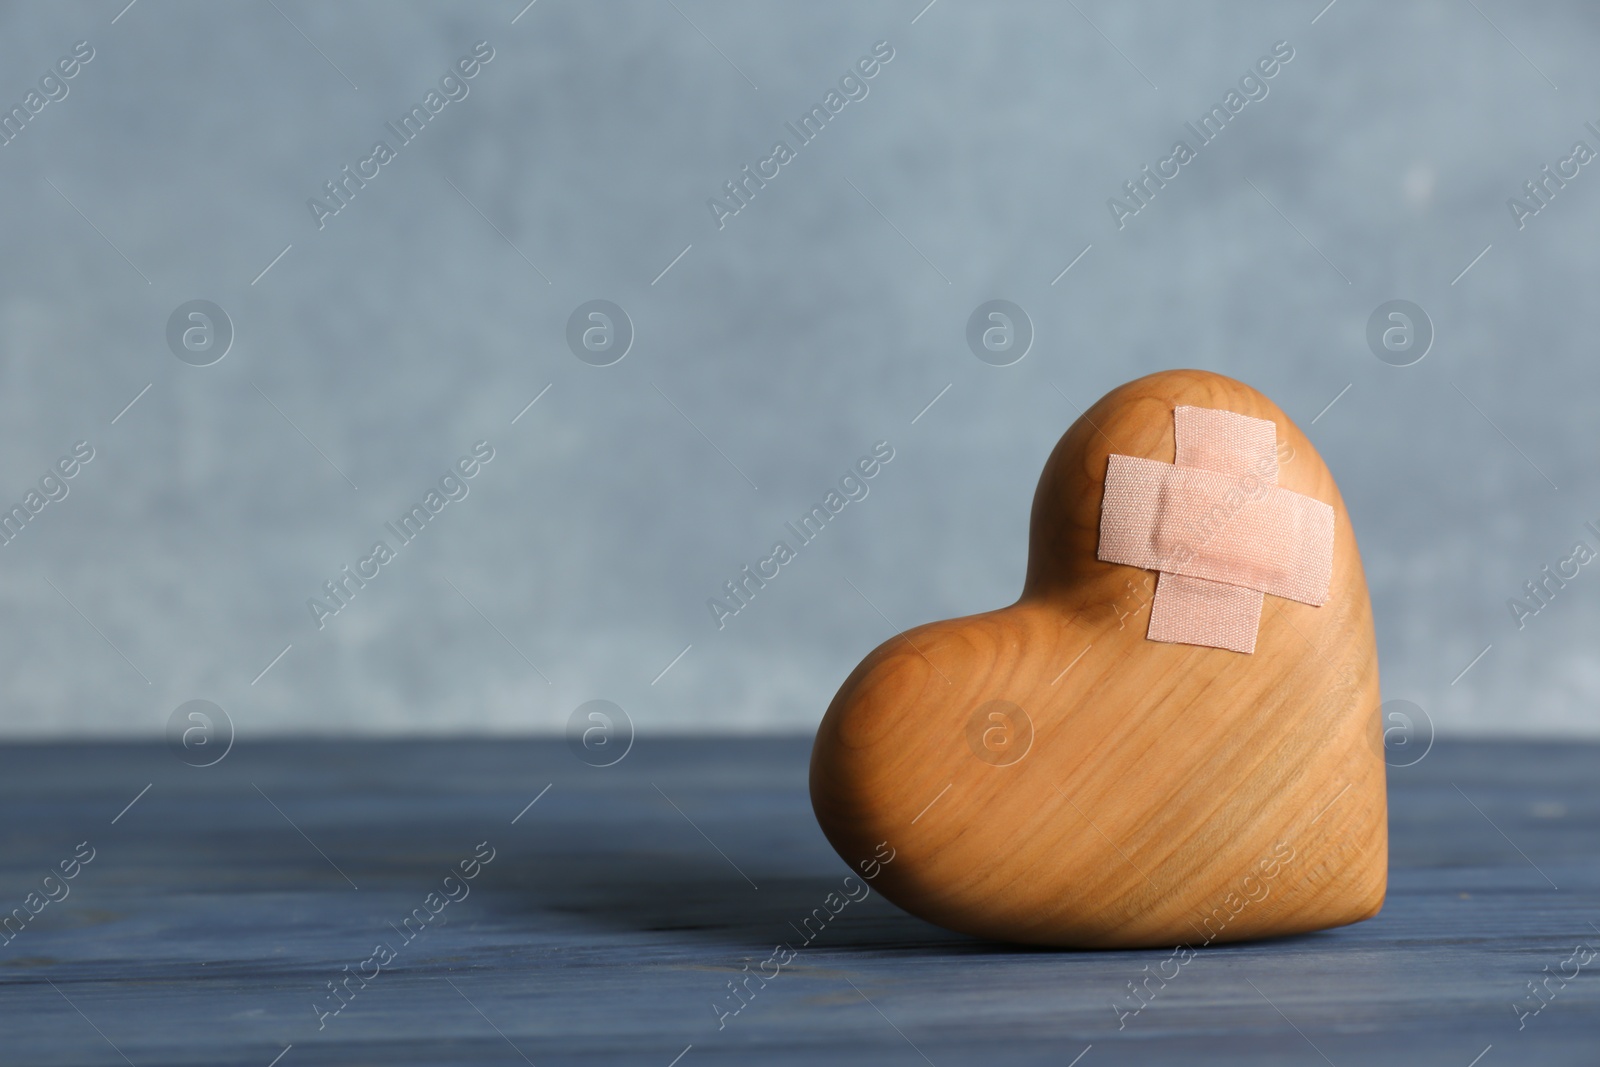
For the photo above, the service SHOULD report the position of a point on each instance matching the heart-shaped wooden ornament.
(1048, 774)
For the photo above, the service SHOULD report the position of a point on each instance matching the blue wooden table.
(504, 903)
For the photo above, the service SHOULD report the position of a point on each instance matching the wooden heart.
(1046, 774)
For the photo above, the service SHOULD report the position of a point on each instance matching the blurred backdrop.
(258, 341)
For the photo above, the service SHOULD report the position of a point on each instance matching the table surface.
(614, 911)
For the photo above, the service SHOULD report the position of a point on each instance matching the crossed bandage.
(1218, 528)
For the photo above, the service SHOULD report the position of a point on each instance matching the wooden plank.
(617, 908)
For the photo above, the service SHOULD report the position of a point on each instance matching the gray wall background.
(822, 318)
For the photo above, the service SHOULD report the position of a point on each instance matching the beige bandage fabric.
(1218, 528)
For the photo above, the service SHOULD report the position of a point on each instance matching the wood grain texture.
(1045, 774)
